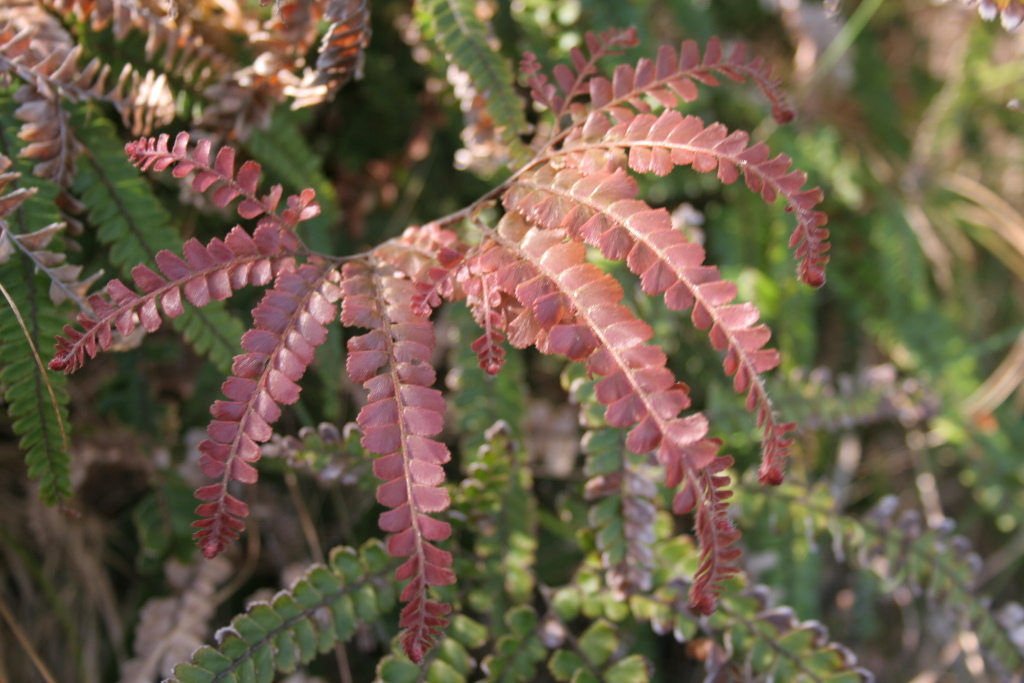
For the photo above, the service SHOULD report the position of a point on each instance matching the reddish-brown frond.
(714, 530)
(392, 362)
(572, 308)
(671, 78)
(571, 82)
(220, 172)
(659, 143)
(602, 210)
(289, 323)
(341, 54)
(206, 274)
(575, 306)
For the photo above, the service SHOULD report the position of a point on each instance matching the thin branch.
(39, 365)
(23, 639)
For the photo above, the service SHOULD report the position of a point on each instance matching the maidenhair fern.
(501, 575)
(526, 279)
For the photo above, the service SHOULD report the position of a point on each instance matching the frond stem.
(5, 233)
(39, 364)
(37, 661)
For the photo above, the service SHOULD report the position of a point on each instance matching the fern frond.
(30, 393)
(715, 531)
(498, 501)
(64, 282)
(464, 39)
(592, 656)
(402, 414)
(516, 654)
(319, 610)
(935, 562)
(327, 453)
(571, 308)
(142, 101)
(289, 325)
(624, 519)
(659, 143)
(131, 221)
(155, 153)
(668, 80)
(571, 82)
(790, 649)
(929, 560)
(47, 130)
(451, 661)
(341, 54)
(623, 516)
(183, 53)
(210, 273)
(601, 209)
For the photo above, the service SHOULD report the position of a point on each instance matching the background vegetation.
(904, 372)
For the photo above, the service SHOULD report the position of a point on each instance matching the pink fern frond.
(220, 172)
(206, 274)
(572, 308)
(716, 533)
(289, 325)
(657, 144)
(571, 82)
(392, 362)
(671, 78)
(602, 210)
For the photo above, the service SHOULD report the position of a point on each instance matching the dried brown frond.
(171, 628)
(53, 72)
(341, 54)
(247, 98)
(183, 44)
(64, 282)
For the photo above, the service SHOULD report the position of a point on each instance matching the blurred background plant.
(905, 373)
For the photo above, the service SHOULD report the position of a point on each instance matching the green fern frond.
(320, 610)
(23, 383)
(930, 561)
(516, 654)
(497, 497)
(129, 218)
(587, 659)
(449, 662)
(463, 39)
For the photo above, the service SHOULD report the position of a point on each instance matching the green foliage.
(588, 659)
(451, 663)
(465, 42)
(497, 498)
(902, 550)
(318, 611)
(519, 652)
(42, 432)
